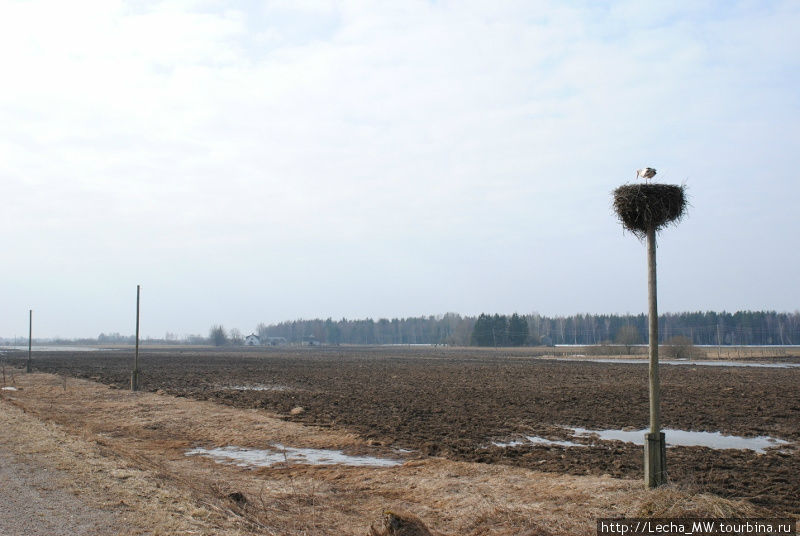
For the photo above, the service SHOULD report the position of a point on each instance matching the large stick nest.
(641, 207)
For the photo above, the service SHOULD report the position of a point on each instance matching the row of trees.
(447, 329)
(759, 328)
(709, 328)
(219, 336)
(499, 330)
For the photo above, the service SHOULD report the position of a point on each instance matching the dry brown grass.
(147, 504)
(131, 447)
(672, 502)
(399, 523)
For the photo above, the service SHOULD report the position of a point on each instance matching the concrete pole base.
(135, 380)
(655, 460)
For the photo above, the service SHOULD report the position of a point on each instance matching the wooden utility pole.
(655, 456)
(644, 209)
(135, 373)
(30, 339)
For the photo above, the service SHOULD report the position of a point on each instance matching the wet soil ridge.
(454, 403)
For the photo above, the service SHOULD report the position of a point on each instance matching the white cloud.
(213, 140)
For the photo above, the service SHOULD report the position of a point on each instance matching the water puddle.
(244, 457)
(675, 438)
(35, 348)
(536, 440)
(734, 364)
(258, 387)
(683, 438)
(702, 363)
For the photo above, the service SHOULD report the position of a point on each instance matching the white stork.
(646, 173)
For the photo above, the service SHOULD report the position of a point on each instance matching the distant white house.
(252, 340)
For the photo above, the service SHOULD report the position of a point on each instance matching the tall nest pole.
(645, 209)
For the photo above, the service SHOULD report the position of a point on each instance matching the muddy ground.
(455, 402)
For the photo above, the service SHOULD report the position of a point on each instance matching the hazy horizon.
(316, 159)
(254, 329)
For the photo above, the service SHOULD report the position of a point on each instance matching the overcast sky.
(253, 162)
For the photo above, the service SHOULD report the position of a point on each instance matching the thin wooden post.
(30, 339)
(655, 446)
(135, 373)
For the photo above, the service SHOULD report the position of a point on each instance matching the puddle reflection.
(675, 438)
(244, 457)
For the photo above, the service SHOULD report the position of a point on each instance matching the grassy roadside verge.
(128, 449)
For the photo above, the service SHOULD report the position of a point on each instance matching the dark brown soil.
(455, 402)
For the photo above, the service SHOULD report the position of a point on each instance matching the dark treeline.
(740, 328)
(447, 329)
(499, 330)
(759, 328)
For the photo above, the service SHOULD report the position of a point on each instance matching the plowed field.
(456, 402)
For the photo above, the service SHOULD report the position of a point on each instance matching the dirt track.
(455, 402)
(30, 503)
